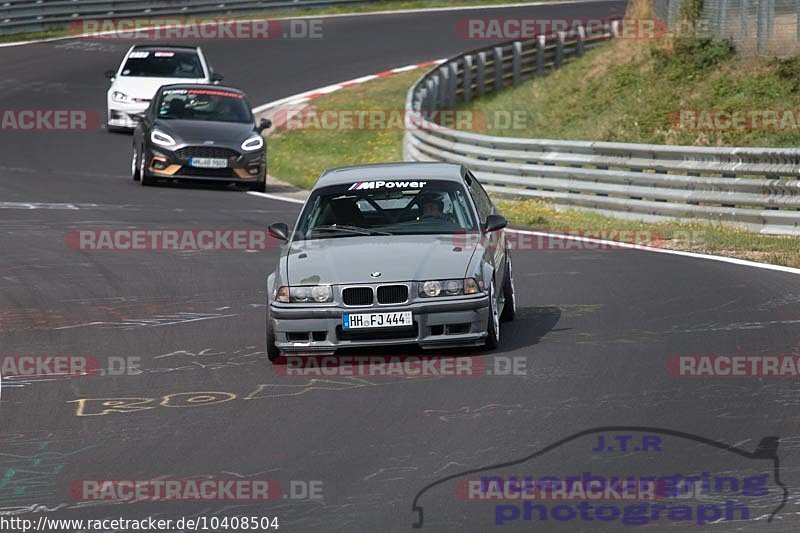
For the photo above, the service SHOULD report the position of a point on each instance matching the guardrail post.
(719, 21)
(498, 68)
(466, 91)
(517, 62)
(430, 95)
(480, 72)
(797, 18)
(559, 50)
(541, 42)
(744, 14)
(452, 89)
(770, 18)
(761, 23)
(443, 83)
(581, 49)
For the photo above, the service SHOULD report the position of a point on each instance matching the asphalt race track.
(594, 330)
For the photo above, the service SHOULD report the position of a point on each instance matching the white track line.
(275, 197)
(694, 255)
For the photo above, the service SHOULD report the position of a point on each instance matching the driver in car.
(432, 205)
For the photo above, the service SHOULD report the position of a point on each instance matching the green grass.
(300, 155)
(387, 5)
(631, 91)
(693, 237)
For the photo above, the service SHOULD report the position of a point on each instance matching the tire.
(259, 186)
(135, 165)
(144, 177)
(493, 327)
(272, 351)
(509, 294)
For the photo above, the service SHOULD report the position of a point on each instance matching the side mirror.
(494, 223)
(264, 124)
(110, 74)
(279, 230)
(216, 77)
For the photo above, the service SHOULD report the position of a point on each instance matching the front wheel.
(493, 327)
(509, 294)
(259, 186)
(145, 178)
(272, 351)
(135, 165)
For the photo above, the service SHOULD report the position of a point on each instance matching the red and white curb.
(316, 93)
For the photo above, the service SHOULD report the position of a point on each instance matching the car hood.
(200, 131)
(144, 87)
(347, 260)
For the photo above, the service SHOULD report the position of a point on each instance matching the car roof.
(204, 86)
(176, 47)
(395, 171)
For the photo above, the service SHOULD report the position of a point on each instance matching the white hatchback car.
(143, 70)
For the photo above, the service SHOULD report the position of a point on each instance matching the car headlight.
(305, 294)
(448, 287)
(256, 142)
(162, 139)
(120, 97)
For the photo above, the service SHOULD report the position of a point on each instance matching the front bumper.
(242, 167)
(120, 115)
(315, 330)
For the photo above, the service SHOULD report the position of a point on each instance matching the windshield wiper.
(350, 229)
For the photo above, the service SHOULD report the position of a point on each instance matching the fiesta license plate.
(208, 162)
(377, 320)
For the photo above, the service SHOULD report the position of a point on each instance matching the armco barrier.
(18, 16)
(754, 188)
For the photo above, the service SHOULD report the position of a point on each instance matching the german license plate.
(208, 162)
(377, 320)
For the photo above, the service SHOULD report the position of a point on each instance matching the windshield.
(391, 207)
(203, 104)
(152, 63)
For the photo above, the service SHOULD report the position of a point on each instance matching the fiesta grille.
(206, 151)
(357, 296)
(392, 294)
(205, 172)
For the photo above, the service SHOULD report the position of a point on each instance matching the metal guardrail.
(21, 16)
(754, 188)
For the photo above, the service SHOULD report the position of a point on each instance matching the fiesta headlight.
(162, 139)
(121, 97)
(448, 287)
(256, 142)
(305, 294)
